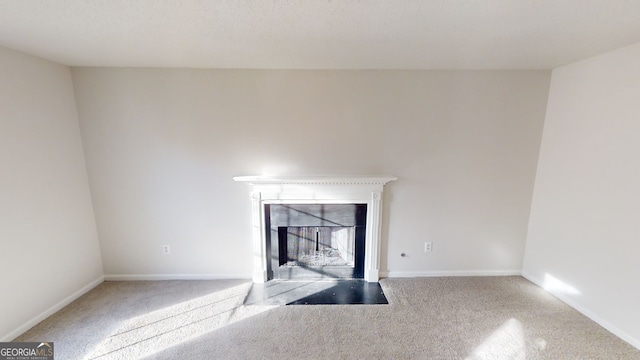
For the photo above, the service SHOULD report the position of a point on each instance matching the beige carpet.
(428, 318)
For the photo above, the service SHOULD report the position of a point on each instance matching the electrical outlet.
(428, 246)
(166, 249)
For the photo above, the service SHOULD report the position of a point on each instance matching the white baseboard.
(586, 312)
(155, 277)
(52, 310)
(405, 274)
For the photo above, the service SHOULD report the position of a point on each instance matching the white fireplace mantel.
(317, 190)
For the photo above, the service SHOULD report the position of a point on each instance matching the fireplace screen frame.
(280, 217)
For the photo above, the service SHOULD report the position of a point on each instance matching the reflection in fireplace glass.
(321, 245)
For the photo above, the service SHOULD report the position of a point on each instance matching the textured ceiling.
(313, 34)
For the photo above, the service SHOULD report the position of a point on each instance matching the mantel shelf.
(316, 180)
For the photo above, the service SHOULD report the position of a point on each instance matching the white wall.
(584, 233)
(162, 147)
(49, 246)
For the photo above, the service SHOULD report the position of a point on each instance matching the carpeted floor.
(427, 318)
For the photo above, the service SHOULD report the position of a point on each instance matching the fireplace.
(315, 241)
(307, 207)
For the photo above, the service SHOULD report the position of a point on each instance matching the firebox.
(316, 245)
(311, 241)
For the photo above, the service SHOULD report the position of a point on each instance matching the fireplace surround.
(267, 190)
